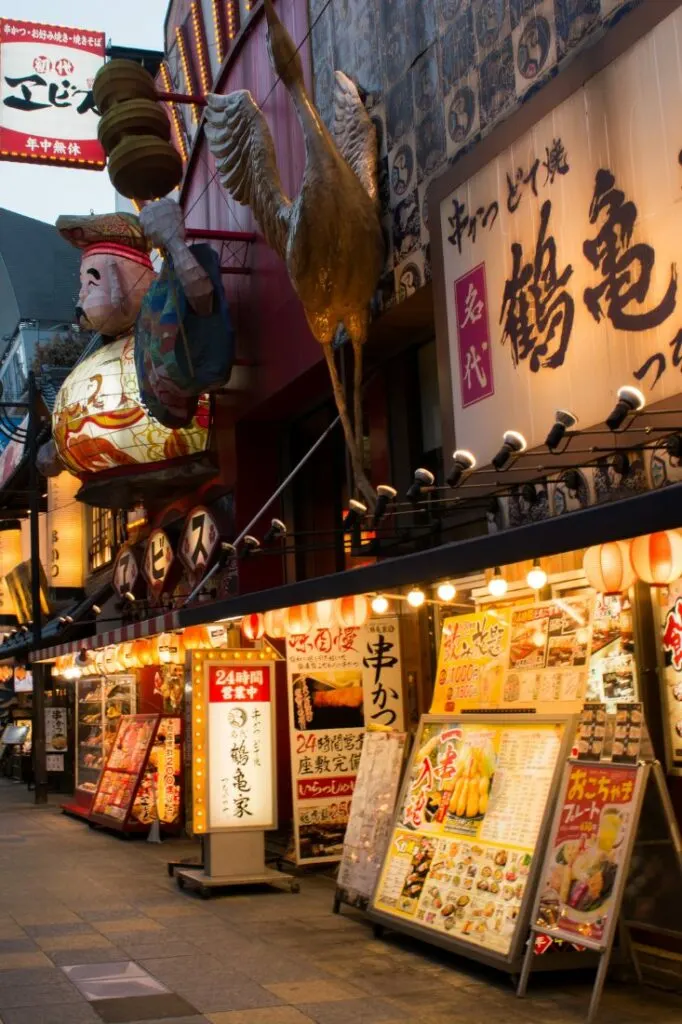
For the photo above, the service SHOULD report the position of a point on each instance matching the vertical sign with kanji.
(475, 355)
(241, 791)
(47, 110)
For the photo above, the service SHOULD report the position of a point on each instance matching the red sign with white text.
(47, 110)
(234, 684)
(314, 789)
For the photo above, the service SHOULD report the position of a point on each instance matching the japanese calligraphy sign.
(56, 730)
(47, 110)
(560, 258)
(588, 852)
(126, 571)
(199, 541)
(461, 860)
(471, 661)
(341, 681)
(157, 561)
(241, 790)
(669, 606)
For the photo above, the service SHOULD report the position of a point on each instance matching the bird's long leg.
(361, 481)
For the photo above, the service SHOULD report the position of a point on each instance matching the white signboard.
(56, 730)
(241, 792)
(560, 257)
(47, 111)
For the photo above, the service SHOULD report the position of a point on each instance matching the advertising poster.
(56, 730)
(587, 852)
(671, 639)
(369, 827)
(341, 681)
(240, 745)
(472, 661)
(124, 765)
(159, 794)
(465, 834)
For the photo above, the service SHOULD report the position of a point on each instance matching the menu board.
(588, 852)
(591, 732)
(534, 656)
(461, 858)
(341, 680)
(127, 757)
(159, 793)
(369, 827)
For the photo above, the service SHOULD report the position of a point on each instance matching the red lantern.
(608, 568)
(253, 626)
(352, 611)
(275, 624)
(297, 619)
(322, 614)
(657, 557)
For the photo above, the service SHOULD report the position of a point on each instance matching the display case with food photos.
(141, 780)
(101, 703)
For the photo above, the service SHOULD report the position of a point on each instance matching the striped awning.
(134, 631)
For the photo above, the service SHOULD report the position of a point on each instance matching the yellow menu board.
(460, 862)
(472, 661)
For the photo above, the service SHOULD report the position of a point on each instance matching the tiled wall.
(439, 74)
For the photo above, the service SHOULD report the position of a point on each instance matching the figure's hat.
(113, 234)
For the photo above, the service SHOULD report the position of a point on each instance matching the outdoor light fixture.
(497, 585)
(530, 494)
(227, 551)
(416, 597)
(629, 400)
(96, 609)
(129, 596)
(513, 443)
(464, 462)
(379, 604)
(673, 446)
(385, 495)
(572, 479)
(563, 421)
(356, 510)
(446, 592)
(422, 478)
(537, 577)
(620, 463)
(251, 544)
(276, 530)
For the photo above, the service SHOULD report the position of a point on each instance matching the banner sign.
(670, 616)
(47, 110)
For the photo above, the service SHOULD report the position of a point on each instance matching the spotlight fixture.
(446, 592)
(227, 551)
(385, 495)
(537, 577)
(629, 400)
(356, 510)
(251, 545)
(96, 609)
(497, 585)
(24, 629)
(129, 596)
(530, 494)
(416, 597)
(572, 479)
(422, 478)
(513, 443)
(68, 619)
(379, 604)
(276, 530)
(464, 462)
(673, 446)
(563, 421)
(620, 464)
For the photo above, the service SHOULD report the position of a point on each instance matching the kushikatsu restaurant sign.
(47, 110)
(241, 791)
(560, 257)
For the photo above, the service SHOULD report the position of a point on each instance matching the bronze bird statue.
(329, 235)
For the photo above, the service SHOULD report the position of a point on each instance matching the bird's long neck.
(314, 129)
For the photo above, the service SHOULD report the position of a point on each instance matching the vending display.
(102, 701)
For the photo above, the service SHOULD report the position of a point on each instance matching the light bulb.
(446, 592)
(379, 604)
(416, 598)
(497, 586)
(537, 577)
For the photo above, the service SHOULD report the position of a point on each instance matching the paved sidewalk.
(92, 929)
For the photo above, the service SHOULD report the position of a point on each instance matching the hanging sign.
(199, 541)
(561, 254)
(56, 730)
(670, 616)
(47, 110)
(65, 531)
(126, 572)
(157, 561)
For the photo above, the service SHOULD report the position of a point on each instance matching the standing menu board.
(668, 604)
(471, 819)
(369, 827)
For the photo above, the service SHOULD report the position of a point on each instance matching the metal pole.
(40, 770)
(273, 497)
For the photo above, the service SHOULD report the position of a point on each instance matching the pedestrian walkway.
(92, 929)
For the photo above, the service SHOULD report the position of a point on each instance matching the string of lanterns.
(654, 558)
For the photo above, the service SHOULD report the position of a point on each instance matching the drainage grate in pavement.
(124, 991)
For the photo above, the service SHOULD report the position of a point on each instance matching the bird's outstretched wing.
(240, 140)
(354, 133)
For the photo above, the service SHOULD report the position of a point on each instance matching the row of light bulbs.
(536, 579)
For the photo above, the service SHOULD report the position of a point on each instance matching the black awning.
(618, 520)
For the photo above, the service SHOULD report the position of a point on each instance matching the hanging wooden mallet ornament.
(135, 132)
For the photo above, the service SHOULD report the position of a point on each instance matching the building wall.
(440, 74)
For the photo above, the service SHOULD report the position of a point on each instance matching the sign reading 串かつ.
(241, 791)
(47, 110)
(561, 254)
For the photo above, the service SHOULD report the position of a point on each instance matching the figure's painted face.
(111, 293)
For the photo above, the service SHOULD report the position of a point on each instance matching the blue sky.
(46, 192)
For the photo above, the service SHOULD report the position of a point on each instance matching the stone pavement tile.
(314, 991)
(14, 961)
(17, 946)
(56, 943)
(69, 957)
(157, 949)
(406, 981)
(128, 926)
(213, 995)
(112, 912)
(139, 1008)
(276, 968)
(71, 1013)
(271, 1015)
(45, 975)
(354, 1011)
(45, 915)
(73, 928)
(186, 968)
(30, 995)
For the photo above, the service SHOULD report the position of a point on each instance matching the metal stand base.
(232, 860)
(195, 879)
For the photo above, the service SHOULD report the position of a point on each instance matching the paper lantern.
(322, 614)
(143, 652)
(607, 567)
(195, 638)
(297, 619)
(657, 557)
(64, 531)
(253, 626)
(275, 624)
(112, 661)
(352, 611)
(168, 649)
(127, 656)
(10, 557)
(100, 668)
